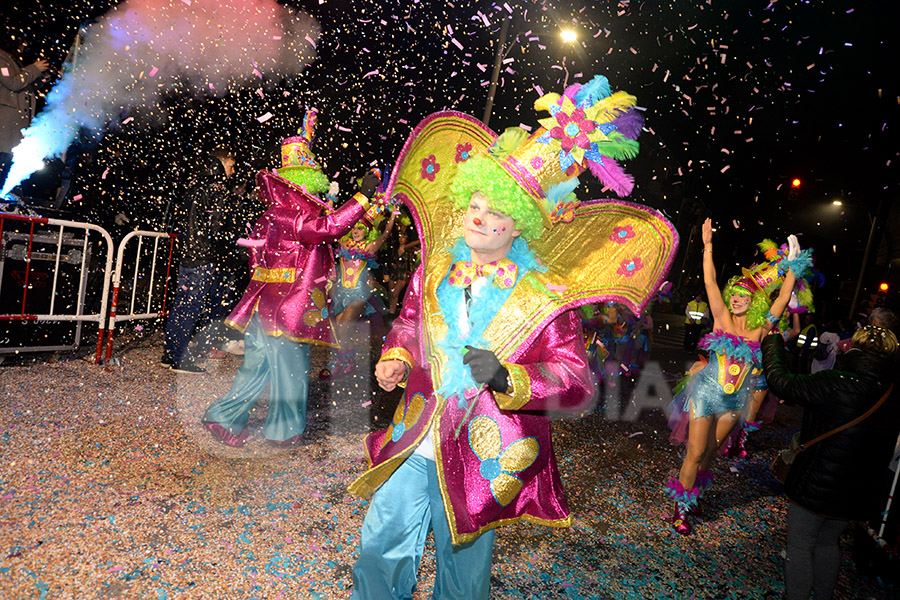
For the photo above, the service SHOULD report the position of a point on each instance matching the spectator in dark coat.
(243, 209)
(17, 100)
(839, 479)
(198, 291)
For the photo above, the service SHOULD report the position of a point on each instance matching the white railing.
(18, 235)
(152, 304)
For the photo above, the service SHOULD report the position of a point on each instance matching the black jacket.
(204, 215)
(843, 476)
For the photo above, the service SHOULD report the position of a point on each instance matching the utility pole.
(865, 260)
(499, 55)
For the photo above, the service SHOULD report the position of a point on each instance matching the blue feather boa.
(799, 265)
(347, 254)
(733, 347)
(456, 377)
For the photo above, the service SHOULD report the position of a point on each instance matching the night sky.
(740, 98)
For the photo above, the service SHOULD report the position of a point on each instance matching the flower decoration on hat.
(430, 167)
(589, 128)
(630, 266)
(463, 151)
(565, 211)
(622, 234)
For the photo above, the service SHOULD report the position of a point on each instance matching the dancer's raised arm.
(784, 295)
(717, 307)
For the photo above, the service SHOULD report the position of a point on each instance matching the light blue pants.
(401, 514)
(274, 361)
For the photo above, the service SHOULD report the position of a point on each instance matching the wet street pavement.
(109, 488)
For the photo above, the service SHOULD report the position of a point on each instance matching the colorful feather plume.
(613, 176)
(591, 126)
(508, 141)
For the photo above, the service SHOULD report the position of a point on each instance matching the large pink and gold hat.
(298, 163)
(608, 250)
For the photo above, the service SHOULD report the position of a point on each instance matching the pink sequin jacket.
(501, 467)
(291, 261)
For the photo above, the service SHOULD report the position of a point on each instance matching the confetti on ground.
(109, 487)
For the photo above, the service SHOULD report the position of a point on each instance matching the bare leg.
(347, 319)
(724, 423)
(396, 288)
(756, 400)
(700, 430)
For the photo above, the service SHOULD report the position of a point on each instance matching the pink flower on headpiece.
(564, 212)
(572, 130)
(430, 168)
(463, 151)
(630, 266)
(620, 235)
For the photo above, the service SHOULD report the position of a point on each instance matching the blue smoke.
(140, 49)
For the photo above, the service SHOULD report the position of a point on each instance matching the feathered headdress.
(589, 128)
(771, 274)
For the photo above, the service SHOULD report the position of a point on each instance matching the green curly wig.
(759, 302)
(481, 173)
(316, 181)
(371, 233)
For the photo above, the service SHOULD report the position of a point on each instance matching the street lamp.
(569, 36)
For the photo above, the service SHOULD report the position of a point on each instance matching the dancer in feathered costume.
(716, 393)
(352, 292)
(486, 342)
(284, 308)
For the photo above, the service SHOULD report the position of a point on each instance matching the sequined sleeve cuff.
(362, 200)
(520, 393)
(401, 354)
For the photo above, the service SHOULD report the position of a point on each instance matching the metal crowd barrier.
(146, 292)
(27, 247)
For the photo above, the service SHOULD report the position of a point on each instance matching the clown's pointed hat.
(298, 163)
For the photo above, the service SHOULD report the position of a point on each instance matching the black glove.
(486, 368)
(369, 182)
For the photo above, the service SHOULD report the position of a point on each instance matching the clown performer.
(284, 308)
(717, 393)
(352, 293)
(487, 343)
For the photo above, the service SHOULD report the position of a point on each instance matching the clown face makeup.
(487, 232)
